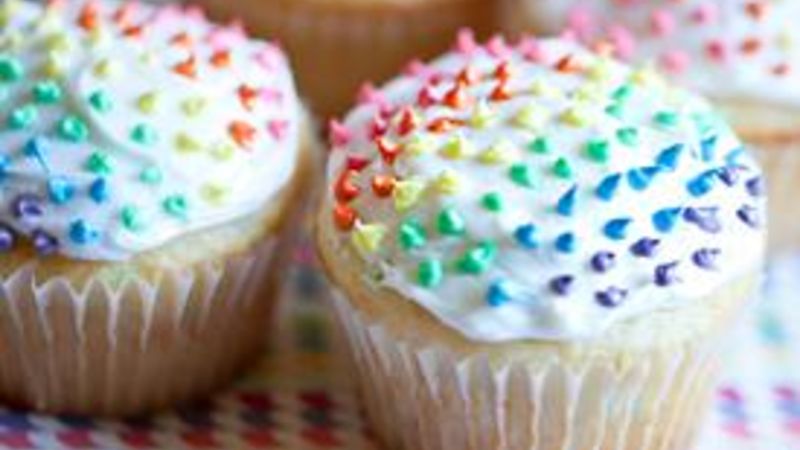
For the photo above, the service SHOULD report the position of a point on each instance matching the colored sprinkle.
(756, 187)
(665, 219)
(10, 69)
(566, 204)
(60, 190)
(499, 293)
(151, 175)
(7, 238)
(131, 218)
(562, 285)
(666, 274)
(450, 223)
(540, 145)
(47, 92)
(628, 136)
(668, 158)
(562, 168)
(566, 243)
(526, 236)
(702, 184)
(144, 134)
(623, 93)
(73, 129)
(707, 148)
(82, 233)
(666, 119)
(749, 216)
(176, 206)
(99, 163)
(598, 150)
(706, 258)
(640, 179)
(645, 247)
(430, 273)
(607, 188)
(22, 117)
(368, 237)
(27, 206)
(407, 193)
(611, 297)
(617, 229)
(728, 175)
(412, 235)
(101, 102)
(99, 191)
(521, 175)
(602, 262)
(705, 218)
(44, 243)
(493, 202)
(478, 259)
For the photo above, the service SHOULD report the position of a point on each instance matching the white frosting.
(174, 163)
(566, 108)
(727, 49)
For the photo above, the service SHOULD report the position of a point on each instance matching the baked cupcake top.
(124, 126)
(542, 191)
(751, 45)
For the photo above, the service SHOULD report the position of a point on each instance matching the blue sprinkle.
(728, 175)
(562, 285)
(665, 219)
(756, 187)
(566, 243)
(82, 233)
(98, 190)
(668, 158)
(705, 218)
(617, 229)
(526, 236)
(603, 261)
(708, 147)
(499, 293)
(37, 148)
(666, 274)
(44, 243)
(566, 204)
(702, 184)
(608, 187)
(706, 258)
(732, 158)
(640, 179)
(645, 247)
(60, 189)
(5, 162)
(611, 297)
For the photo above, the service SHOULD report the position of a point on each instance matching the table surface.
(300, 397)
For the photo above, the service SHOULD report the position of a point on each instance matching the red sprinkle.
(408, 122)
(444, 124)
(88, 17)
(357, 163)
(388, 151)
(500, 92)
(344, 217)
(383, 185)
(242, 133)
(247, 96)
(345, 189)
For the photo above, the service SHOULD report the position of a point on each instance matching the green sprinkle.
(450, 223)
(666, 118)
(622, 93)
(521, 175)
(540, 145)
(562, 169)
(144, 134)
(176, 206)
(412, 235)
(22, 117)
(478, 259)
(615, 110)
(73, 129)
(99, 163)
(10, 69)
(598, 150)
(492, 202)
(101, 102)
(628, 136)
(47, 92)
(430, 273)
(151, 175)
(704, 123)
(131, 218)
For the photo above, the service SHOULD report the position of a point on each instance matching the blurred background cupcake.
(538, 248)
(150, 165)
(336, 45)
(743, 54)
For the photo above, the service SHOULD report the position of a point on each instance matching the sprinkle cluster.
(540, 174)
(123, 126)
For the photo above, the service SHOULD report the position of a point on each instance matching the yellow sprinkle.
(193, 106)
(456, 148)
(645, 76)
(98, 37)
(600, 70)
(367, 238)
(49, 21)
(223, 151)
(482, 116)
(214, 193)
(52, 66)
(57, 42)
(186, 144)
(543, 89)
(577, 117)
(407, 193)
(531, 118)
(105, 68)
(448, 182)
(590, 93)
(498, 153)
(148, 103)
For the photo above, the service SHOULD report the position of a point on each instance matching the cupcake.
(742, 54)
(150, 163)
(538, 247)
(337, 45)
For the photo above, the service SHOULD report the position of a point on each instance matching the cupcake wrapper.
(126, 345)
(432, 399)
(335, 47)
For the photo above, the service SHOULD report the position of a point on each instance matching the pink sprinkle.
(269, 57)
(497, 47)
(417, 68)
(581, 22)
(531, 50)
(623, 41)
(278, 128)
(705, 13)
(368, 95)
(662, 23)
(338, 134)
(716, 50)
(465, 42)
(271, 95)
(675, 61)
(225, 37)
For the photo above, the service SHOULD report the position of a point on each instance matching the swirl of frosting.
(542, 191)
(124, 126)
(750, 44)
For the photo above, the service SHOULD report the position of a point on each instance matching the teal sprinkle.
(666, 119)
(562, 169)
(176, 206)
(47, 92)
(540, 145)
(82, 233)
(521, 175)
(704, 123)
(131, 218)
(498, 294)
(732, 157)
(708, 148)
(628, 136)
(615, 110)
(73, 129)
(493, 202)
(622, 93)
(668, 158)
(478, 259)
(60, 190)
(598, 150)
(151, 175)
(412, 235)
(617, 229)
(566, 204)
(10, 69)
(666, 219)
(607, 188)
(101, 102)
(430, 273)
(22, 117)
(99, 163)
(144, 134)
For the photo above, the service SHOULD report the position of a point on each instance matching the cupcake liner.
(121, 345)
(431, 398)
(336, 46)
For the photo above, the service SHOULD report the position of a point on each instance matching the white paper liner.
(126, 346)
(431, 399)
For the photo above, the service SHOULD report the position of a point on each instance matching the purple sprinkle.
(44, 243)
(562, 285)
(750, 216)
(666, 274)
(7, 238)
(27, 206)
(705, 218)
(728, 175)
(645, 247)
(706, 258)
(755, 186)
(603, 261)
(611, 297)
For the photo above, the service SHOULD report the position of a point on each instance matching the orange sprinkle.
(467, 76)
(242, 133)
(182, 39)
(344, 188)
(568, 64)
(751, 45)
(134, 31)
(383, 185)
(88, 18)
(221, 59)
(444, 124)
(500, 93)
(122, 15)
(756, 9)
(456, 98)
(187, 68)
(503, 71)
(344, 217)
(388, 151)
(247, 96)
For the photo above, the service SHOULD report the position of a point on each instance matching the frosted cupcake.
(337, 45)
(149, 161)
(744, 55)
(538, 248)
